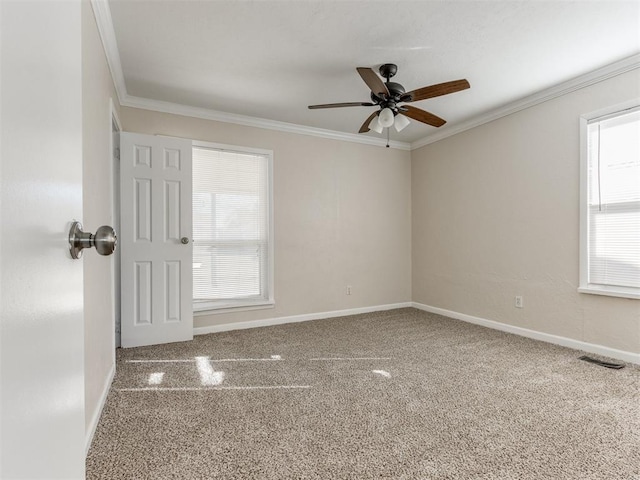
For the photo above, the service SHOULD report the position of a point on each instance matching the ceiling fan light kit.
(400, 122)
(388, 95)
(375, 125)
(386, 117)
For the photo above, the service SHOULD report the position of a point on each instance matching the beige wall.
(464, 224)
(496, 214)
(97, 90)
(342, 216)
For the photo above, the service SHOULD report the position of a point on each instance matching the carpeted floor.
(401, 394)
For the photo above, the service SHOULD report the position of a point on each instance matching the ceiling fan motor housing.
(396, 91)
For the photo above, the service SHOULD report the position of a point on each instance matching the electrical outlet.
(348, 289)
(519, 302)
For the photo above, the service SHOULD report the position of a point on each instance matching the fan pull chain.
(387, 137)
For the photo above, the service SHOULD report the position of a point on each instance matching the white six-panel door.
(155, 239)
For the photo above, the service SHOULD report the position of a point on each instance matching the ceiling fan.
(388, 96)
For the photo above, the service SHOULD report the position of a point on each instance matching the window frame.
(228, 306)
(584, 285)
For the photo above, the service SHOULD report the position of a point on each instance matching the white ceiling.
(270, 59)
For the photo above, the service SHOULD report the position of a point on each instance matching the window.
(232, 227)
(610, 197)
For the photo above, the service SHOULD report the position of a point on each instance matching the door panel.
(156, 268)
(41, 306)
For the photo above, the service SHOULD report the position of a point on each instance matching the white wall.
(342, 216)
(97, 90)
(496, 214)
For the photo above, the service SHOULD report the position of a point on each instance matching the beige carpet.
(401, 394)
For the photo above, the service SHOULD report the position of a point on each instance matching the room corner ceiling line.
(208, 114)
(608, 71)
(102, 14)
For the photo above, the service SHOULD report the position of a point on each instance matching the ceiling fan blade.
(373, 81)
(348, 104)
(422, 116)
(365, 126)
(435, 90)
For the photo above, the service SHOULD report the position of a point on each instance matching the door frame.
(115, 127)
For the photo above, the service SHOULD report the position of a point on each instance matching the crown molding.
(102, 14)
(614, 69)
(104, 21)
(208, 114)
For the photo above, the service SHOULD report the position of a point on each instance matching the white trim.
(107, 35)
(113, 114)
(208, 309)
(610, 291)
(245, 120)
(544, 337)
(232, 148)
(266, 322)
(95, 418)
(631, 104)
(585, 286)
(238, 305)
(115, 214)
(583, 243)
(102, 14)
(577, 83)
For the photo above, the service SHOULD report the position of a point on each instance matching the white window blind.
(613, 200)
(231, 228)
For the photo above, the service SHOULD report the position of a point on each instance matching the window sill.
(200, 310)
(623, 292)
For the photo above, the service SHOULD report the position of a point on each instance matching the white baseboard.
(98, 412)
(523, 332)
(296, 318)
(629, 357)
